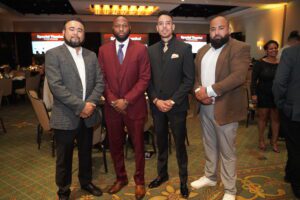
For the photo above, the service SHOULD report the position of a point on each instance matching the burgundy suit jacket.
(128, 80)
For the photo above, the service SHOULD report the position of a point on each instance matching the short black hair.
(164, 12)
(294, 35)
(77, 19)
(266, 46)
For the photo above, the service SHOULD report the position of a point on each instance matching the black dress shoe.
(184, 190)
(158, 181)
(91, 188)
(63, 194)
(296, 190)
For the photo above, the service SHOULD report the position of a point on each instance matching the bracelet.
(155, 101)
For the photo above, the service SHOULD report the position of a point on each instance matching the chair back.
(6, 86)
(39, 109)
(149, 120)
(98, 134)
(1, 92)
(47, 95)
(33, 82)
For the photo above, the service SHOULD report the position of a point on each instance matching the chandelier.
(134, 10)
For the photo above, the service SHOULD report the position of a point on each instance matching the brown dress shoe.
(117, 186)
(139, 192)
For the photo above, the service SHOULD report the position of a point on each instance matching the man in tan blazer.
(221, 69)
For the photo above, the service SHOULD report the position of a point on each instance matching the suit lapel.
(158, 56)
(115, 65)
(221, 59)
(198, 60)
(71, 61)
(87, 67)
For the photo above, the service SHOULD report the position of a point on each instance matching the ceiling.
(196, 9)
(199, 10)
(38, 7)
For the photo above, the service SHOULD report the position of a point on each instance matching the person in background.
(293, 39)
(77, 84)
(286, 87)
(172, 78)
(221, 71)
(261, 90)
(126, 68)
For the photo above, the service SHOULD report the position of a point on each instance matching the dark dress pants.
(64, 140)
(291, 129)
(116, 137)
(177, 122)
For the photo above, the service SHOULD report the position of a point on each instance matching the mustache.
(217, 37)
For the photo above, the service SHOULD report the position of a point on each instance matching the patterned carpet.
(28, 173)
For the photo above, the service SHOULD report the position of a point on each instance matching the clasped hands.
(164, 105)
(201, 95)
(120, 105)
(87, 110)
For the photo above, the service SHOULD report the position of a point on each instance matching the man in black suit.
(286, 87)
(172, 78)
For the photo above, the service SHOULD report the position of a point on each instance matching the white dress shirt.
(78, 59)
(208, 69)
(124, 49)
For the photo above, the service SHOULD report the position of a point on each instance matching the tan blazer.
(231, 72)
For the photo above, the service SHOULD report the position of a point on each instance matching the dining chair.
(32, 83)
(148, 132)
(1, 120)
(6, 87)
(100, 137)
(43, 118)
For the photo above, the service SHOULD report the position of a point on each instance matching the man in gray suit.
(286, 87)
(76, 83)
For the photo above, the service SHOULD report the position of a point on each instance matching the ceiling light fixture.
(98, 9)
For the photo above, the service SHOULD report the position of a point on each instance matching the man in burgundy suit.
(126, 67)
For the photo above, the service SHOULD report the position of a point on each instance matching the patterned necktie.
(120, 53)
(165, 47)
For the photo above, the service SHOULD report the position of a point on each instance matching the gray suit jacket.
(65, 85)
(286, 85)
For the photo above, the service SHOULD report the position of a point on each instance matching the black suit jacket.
(286, 86)
(174, 78)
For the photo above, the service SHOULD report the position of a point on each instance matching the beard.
(123, 38)
(217, 43)
(73, 43)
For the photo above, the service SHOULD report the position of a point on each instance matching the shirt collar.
(73, 50)
(171, 41)
(125, 43)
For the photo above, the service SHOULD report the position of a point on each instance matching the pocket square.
(174, 55)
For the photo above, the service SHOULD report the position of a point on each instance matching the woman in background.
(261, 88)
